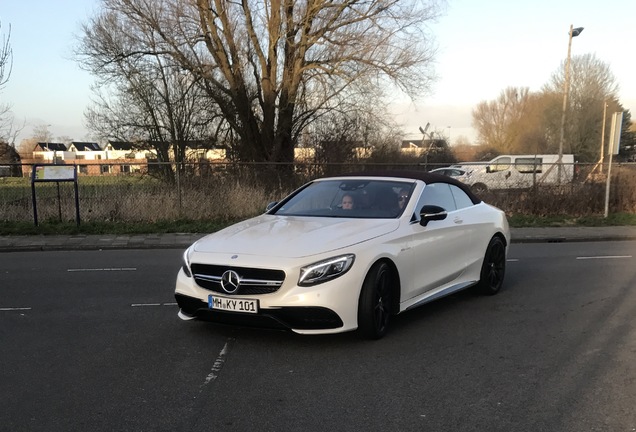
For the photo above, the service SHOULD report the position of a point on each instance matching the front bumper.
(290, 318)
(330, 307)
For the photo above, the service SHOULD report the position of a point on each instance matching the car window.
(348, 198)
(438, 194)
(529, 165)
(500, 164)
(461, 199)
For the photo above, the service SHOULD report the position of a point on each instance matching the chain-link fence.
(209, 191)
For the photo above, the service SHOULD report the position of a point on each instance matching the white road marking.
(152, 304)
(102, 269)
(512, 260)
(218, 363)
(14, 309)
(603, 257)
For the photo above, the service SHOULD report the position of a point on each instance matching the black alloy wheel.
(374, 305)
(493, 268)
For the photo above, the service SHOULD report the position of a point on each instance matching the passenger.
(347, 202)
(403, 198)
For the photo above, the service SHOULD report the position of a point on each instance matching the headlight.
(326, 270)
(186, 263)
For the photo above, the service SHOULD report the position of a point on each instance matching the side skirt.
(429, 297)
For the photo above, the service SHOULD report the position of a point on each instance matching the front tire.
(374, 305)
(493, 268)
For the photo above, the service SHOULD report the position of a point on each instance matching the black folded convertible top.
(426, 177)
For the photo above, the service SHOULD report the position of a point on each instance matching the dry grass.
(239, 194)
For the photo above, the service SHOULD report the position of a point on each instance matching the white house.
(86, 151)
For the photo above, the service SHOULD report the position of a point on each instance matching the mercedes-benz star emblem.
(230, 281)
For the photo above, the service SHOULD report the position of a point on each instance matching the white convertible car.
(345, 253)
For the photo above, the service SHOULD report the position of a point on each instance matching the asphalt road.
(90, 340)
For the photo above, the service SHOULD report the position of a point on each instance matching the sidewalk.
(572, 234)
(97, 242)
(183, 240)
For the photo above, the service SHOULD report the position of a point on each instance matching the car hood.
(292, 236)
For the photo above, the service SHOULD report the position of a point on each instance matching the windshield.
(351, 198)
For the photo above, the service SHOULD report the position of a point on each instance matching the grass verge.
(528, 221)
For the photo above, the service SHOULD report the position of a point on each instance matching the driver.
(347, 202)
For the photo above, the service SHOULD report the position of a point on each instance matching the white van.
(520, 172)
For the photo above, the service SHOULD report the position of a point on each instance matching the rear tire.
(374, 305)
(493, 268)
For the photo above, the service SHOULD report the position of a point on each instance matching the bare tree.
(334, 140)
(523, 122)
(143, 98)
(42, 133)
(533, 137)
(463, 149)
(160, 108)
(272, 66)
(6, 63)
(6, 58)
(500, 123)
(39, 134)
(592, 84)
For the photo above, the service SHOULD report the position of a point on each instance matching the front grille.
(252, 281)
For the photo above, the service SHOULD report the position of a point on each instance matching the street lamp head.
(577, 31)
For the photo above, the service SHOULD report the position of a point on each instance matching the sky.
(483, 46)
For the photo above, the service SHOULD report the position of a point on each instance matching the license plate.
(231, 304)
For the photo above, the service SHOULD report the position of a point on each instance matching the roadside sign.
(615, 140)
(615, 134)
(54, 172)
(57, 174)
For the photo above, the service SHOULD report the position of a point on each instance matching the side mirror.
(270, 206)
(488, 169)
(431, 213)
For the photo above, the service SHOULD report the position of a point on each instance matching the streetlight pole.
(566, 89)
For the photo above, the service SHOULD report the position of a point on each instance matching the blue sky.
(484, 46)
(46, 85)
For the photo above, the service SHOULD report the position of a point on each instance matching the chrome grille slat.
(251, 282)
(208, 277)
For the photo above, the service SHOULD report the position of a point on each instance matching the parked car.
(457, 173)
(311, 265)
